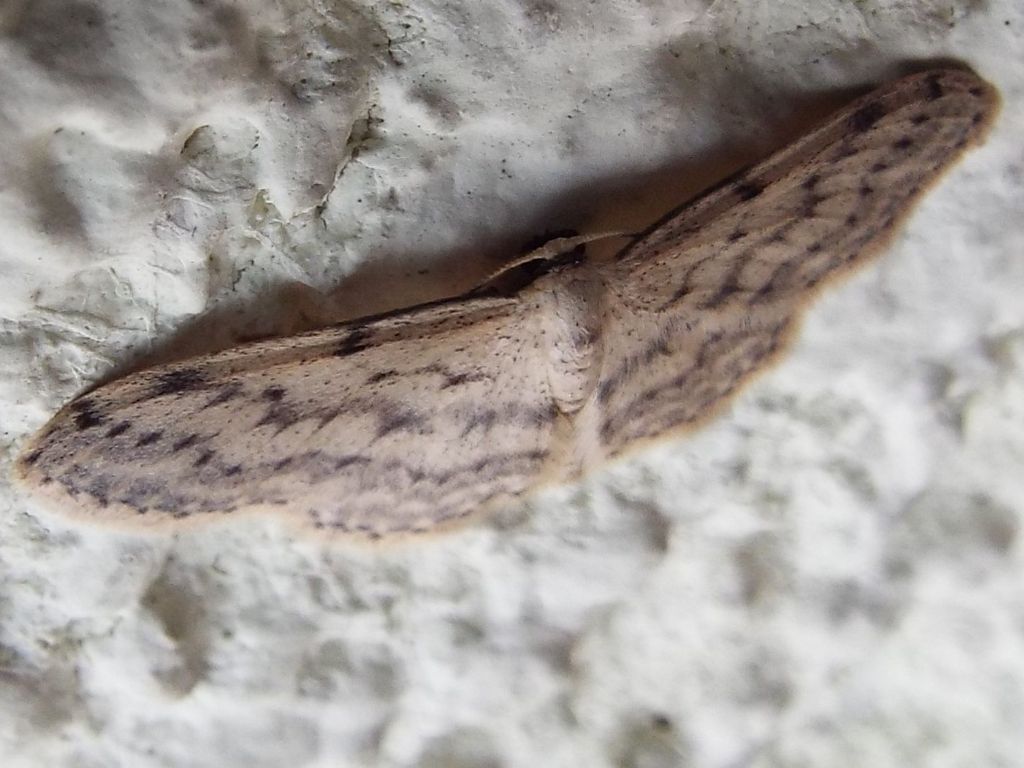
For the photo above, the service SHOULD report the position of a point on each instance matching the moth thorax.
(570, 310)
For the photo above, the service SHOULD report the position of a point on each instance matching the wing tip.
(957, 79)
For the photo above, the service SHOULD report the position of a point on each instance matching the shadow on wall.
(622, 202)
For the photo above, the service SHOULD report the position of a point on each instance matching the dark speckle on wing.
(149, 438)
(177, 382)
(748, 190)
(397, 418)
(355, 341)
(119, 429)
(866, 117)
(87, 414)
(226, 393)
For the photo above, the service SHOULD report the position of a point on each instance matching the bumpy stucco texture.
(830, 575)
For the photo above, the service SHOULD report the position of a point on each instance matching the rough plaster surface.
(831, 575)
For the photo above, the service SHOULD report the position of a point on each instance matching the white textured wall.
(830, 575)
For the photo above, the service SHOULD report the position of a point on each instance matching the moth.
(411, 421)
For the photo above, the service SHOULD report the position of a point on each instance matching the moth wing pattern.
(712, 293)
(398, 424)
(417, 419)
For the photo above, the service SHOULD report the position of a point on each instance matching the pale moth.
(414, 420)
